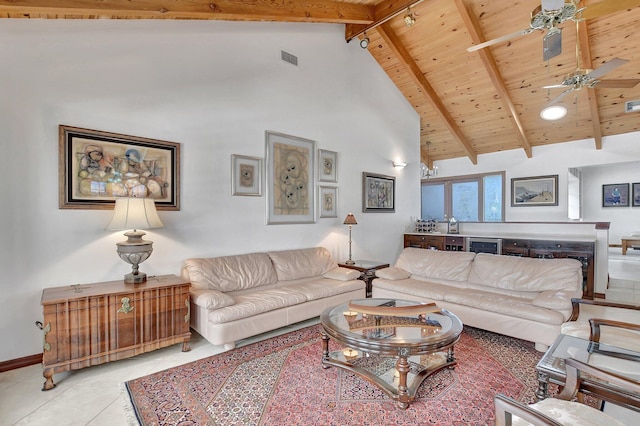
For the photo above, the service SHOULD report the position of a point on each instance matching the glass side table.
(367, 270)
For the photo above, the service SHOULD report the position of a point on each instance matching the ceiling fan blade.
(624, 83)
(608, 6)
(607, 67)
(559, 97)
(499, 40)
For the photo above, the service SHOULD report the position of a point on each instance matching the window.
(474, 198)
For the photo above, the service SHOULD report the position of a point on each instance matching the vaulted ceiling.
(469, 103)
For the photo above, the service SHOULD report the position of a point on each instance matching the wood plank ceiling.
(469, 103)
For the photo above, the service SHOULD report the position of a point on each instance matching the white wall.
(215, 87)
(556, 159)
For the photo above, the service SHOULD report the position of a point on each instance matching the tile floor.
(92, 396)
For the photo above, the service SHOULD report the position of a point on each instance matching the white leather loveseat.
(235, 297)
(521, 297)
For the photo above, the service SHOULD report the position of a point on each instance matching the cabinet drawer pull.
(188, 305)
(126, 306)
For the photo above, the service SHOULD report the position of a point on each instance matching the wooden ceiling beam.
(319, 11)
(396, 46)
(586, 60)
(473, 27)
(382, 13)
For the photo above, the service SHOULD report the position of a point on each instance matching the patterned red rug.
(281, 381)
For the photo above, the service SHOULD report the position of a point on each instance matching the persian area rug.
(280, 381)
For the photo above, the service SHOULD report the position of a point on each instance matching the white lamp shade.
(134, 213)
(552, 4)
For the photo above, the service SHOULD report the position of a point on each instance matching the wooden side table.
(90, 324)
(367, 270)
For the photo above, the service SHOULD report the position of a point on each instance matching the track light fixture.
(364, 43)
(409, 17)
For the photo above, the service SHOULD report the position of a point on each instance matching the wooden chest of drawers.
(91, 324)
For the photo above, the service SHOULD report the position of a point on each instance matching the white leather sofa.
(235, 297)
(521, 297)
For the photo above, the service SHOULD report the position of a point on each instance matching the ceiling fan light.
(549, 5)
(554, 112)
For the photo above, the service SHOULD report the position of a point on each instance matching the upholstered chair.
(562, 409)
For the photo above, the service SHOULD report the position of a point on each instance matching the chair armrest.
(576, 302)
(595, 335)
(574, 379)
(507, 407)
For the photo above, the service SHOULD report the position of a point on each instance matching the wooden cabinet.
(546, 249)
(91, 324)
(454, 243)
(425, 241)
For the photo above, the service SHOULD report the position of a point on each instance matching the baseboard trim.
(25, 361)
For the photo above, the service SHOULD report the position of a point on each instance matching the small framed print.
(328, 201)
(246, 175)
(615, 195)
(327, 166)
(378, 193)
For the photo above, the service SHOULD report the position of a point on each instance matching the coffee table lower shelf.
(399, 378)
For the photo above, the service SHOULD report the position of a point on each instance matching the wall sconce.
(399, 164)
(134, 213)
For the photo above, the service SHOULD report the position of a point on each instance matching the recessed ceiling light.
(555, 112)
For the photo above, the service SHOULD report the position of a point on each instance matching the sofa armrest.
(392, 274)
(211, 299)
(342, 274)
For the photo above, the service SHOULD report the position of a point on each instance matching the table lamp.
(350, 220)
(134, 213)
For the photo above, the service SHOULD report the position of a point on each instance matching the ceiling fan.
(582, 78)
(552, 13)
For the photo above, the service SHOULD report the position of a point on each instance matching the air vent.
(632, 106)
(288, 57)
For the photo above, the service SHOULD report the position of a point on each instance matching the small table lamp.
(350, 220)
(134, 213)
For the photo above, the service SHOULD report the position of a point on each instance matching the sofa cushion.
(526, 274)
(323, 287)
(301, 263)
(260, 301)
(230, 273)
(210, 299)
(392, 273)
(342, 274)
(453, 266)
(504, 304)
(558, 300)
(414, 287)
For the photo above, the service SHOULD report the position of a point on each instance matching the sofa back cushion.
(525, 273)
(301, 263)
(230, 273)
(444, 265)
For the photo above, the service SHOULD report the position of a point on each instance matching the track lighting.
(364, 43)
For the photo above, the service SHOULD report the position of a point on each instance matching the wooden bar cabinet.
(91, 324)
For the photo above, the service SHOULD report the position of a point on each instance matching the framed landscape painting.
(290, 179)
(378, 193)
(534, 191)
(97, 167)
(615, 195)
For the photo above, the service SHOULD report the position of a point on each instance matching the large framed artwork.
(636, 195)
(290, 179)
(246, 175)
(378, 193)
(96, 168)
(327, 166)
(615, 195)
(534, 191)
(328, 201)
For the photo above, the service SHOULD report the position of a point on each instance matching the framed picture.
(246, 175)
(327, 166)
(636, 195)
(290, 179)
(534, 191)
(615, 195)
(378, 193)
(328, 201)
(96, 168)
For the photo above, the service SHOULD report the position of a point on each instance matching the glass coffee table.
(623, 362)
(394, 344)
